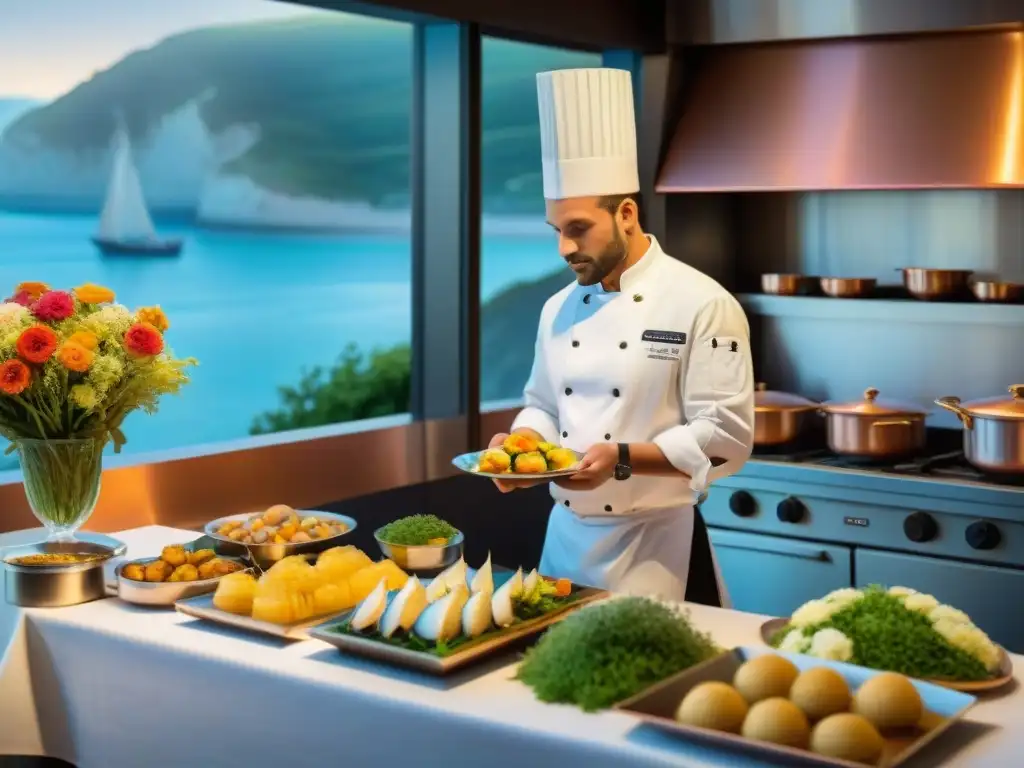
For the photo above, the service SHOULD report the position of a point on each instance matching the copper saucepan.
(995, 291)
(933, 284)
(779, 417)
(780, 284)
(848, 287)
(873, 428)
(993, 430)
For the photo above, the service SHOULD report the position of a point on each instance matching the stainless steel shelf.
(900, 310)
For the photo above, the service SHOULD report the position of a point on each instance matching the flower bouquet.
(73, 365)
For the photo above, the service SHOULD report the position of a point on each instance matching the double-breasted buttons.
(568, 390)
(623, 345)
(615, 393)
(586, 298)
(575, 343)
(608, 437)
(566, 502)
(565, 434)
(637, 298)
(607, 507)
(714, 343)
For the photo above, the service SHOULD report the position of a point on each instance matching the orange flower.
(75, 357)
(143, 340)
(155, 317)
(85, 339)
(90, 293)
(15, 377)
(32, 288)
(36, 344)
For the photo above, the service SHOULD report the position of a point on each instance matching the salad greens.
(417, 530)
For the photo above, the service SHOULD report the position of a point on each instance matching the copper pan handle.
(902, 423)
(951, 403)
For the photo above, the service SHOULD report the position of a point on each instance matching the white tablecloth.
(108, 685)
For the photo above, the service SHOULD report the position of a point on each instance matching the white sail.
(125, 217)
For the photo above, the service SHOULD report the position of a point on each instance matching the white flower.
(901, 591)
(813, 612)
(921, 603)
(971, 640)
(12, 313)
(844, 597)
(795, 641)
(948, 613)
(831, 644)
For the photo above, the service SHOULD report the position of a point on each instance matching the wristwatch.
(623, 470)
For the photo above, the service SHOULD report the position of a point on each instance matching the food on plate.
(765, 677)
(897, 630)
(404, 608)
(847, 736)
(235, 593)
(442, 619)
(502, 607)
(365, 579)
(611, 650)
(483, 580)
(523, 455)
(369, 611)
(714, 705)
(417, 531)
(530, 582)
(778, 721)
(476, 615)
(452, 576)
(177, 563)
(338, 563)
(820, 692)
(280, 524)
(56, 558)
(889, 701)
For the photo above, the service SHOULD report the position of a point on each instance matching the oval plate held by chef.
(520, 456)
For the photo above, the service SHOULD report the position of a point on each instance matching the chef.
(642, 364)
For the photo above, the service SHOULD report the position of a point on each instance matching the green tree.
(356, 387)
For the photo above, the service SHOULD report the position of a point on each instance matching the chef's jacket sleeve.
(717, 392)
(541, 410)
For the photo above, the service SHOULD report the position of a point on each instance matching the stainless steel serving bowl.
(164, 593)
(264, 556)
(56, 586)
(425, 557)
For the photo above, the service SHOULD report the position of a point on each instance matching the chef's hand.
(505, 486)
(596, 468)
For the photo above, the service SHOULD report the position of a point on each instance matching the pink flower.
(54, 305)
(21, 297)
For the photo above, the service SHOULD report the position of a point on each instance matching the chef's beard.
(599, 267)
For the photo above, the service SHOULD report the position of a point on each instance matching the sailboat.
(126, 228)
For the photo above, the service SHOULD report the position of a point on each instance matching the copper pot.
(873, 428)
(932, 284)
(780, 417)
(993, 430)
(788, 285)
(848, 287)
(992, 290)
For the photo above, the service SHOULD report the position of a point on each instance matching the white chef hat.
(587, 133)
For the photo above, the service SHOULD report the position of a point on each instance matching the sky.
(49, 46)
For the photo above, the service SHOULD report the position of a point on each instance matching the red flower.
(22, 297)
(36, 344)
(143, 339)
(54, 305)
(14, 377)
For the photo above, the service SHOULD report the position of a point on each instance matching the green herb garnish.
(888, 636)
(416, 530)
(612, 650)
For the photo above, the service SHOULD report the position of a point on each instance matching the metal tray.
(1003, 675)
(424, 661)
(165, 593)
(470, 462)
(657, 705)
(265, 555)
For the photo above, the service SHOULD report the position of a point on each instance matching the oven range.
(791, 527)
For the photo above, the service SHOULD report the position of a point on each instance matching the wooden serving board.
(1004, 675)
(476, 650)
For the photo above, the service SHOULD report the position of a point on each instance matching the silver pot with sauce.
(874, 429)
(993, 430)
(779, 417)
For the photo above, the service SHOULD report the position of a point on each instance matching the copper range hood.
(928, 111)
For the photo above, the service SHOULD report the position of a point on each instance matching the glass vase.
(62, 482)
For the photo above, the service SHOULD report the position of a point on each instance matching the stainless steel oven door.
(990, 595)
(775, 576)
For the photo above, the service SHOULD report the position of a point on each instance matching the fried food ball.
(277, 514)
(546, 448)
(530, 464)
(159, 570)
(561, 458)
(134, 571)
(495, 461)
(216, 567)
(200, 556)
(185, 572)
(174, 555)
(516, 443)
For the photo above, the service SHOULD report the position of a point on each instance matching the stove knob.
(983, 535)
(920, 527)
(742, 504)
(791, 510)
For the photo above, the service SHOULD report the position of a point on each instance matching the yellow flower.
(85, 339)
(106, 371)
(90, 293)
(84, 396)
(155, 317)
